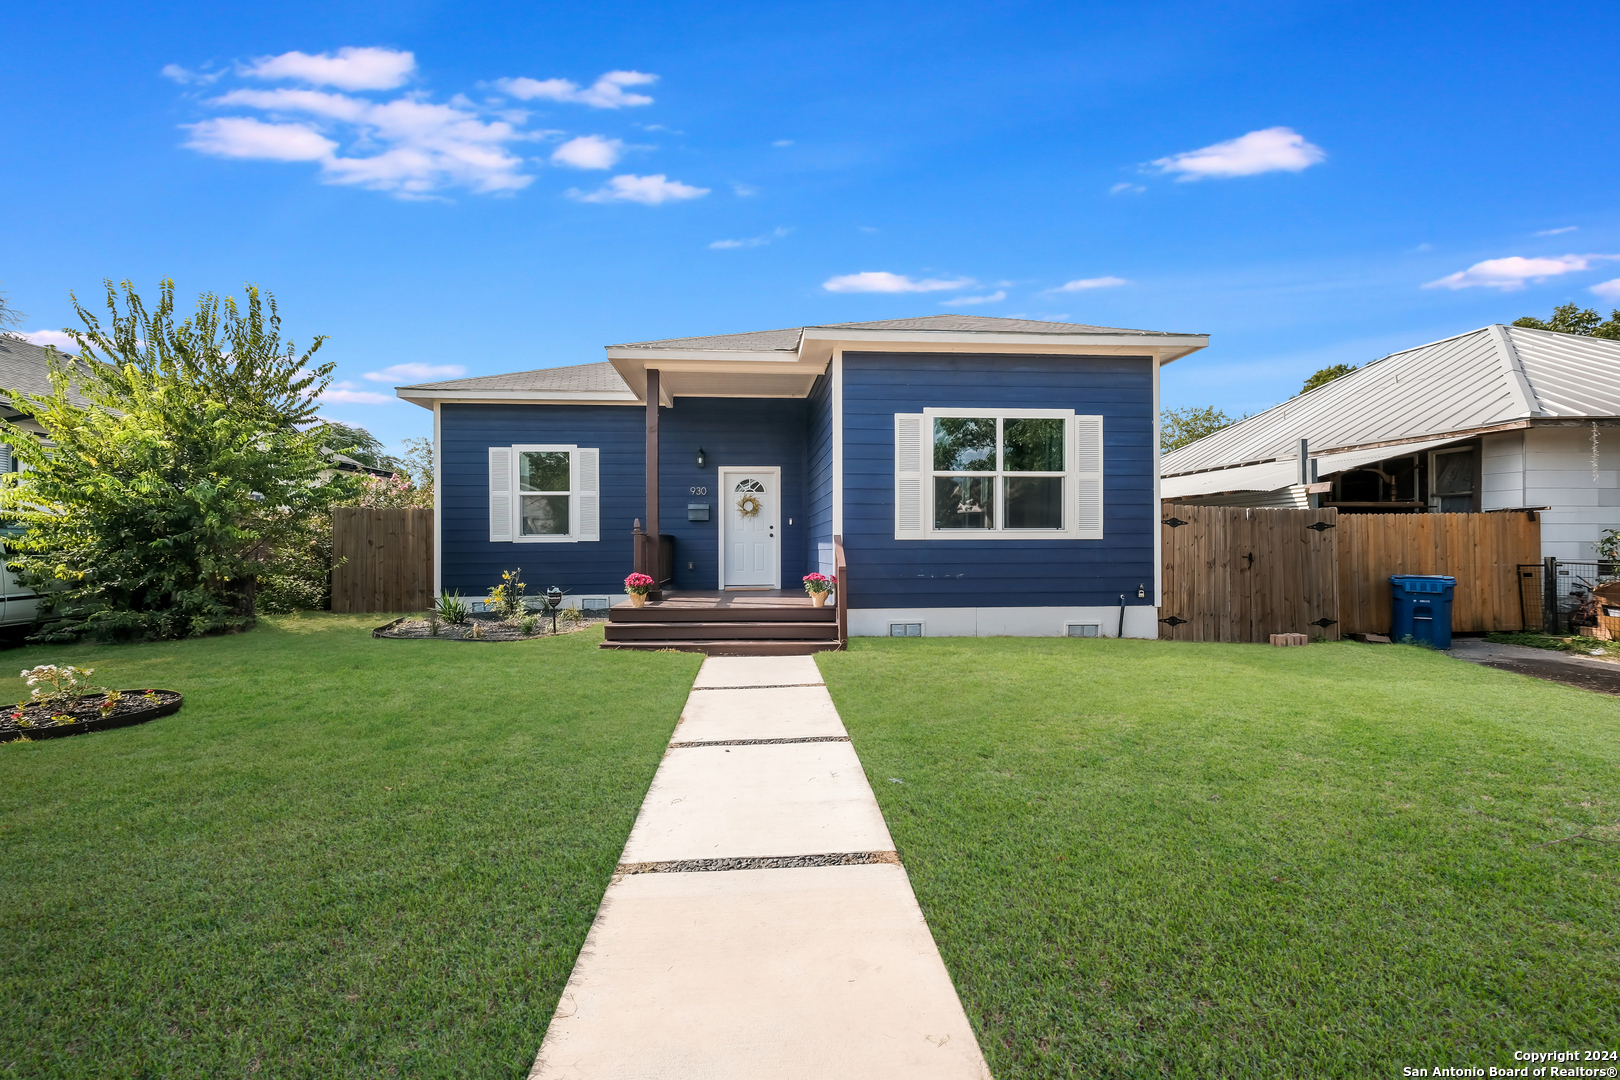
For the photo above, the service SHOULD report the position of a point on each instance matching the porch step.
(729, 648)
(673, 612)
(722, 631)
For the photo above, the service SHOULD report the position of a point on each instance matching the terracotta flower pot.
(637, 599)
(820, 598)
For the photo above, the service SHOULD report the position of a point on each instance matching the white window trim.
(1071, 529)
(574, 523)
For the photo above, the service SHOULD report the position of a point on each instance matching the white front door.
(750, 528)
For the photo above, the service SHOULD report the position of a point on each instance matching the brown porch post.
(650, 541)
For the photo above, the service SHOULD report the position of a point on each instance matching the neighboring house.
(1498, 418)
(986, 476)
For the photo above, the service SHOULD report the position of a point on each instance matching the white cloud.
(589, 152)
(246, 137)
(1082, 284)
(1510, 274)
(881, 281)
(1277, 149)
(1123, 186)
(415, 373)
(993, 298)
(409, 147)
(744, 191)
(607, 92)
(751, 242)
(783, 142)
(350, 69)
(649, 190)
(50, 337)
(1557, 232)
(186, 77)
(1608, 290)
(347, 393)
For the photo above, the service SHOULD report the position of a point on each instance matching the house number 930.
(699, 490)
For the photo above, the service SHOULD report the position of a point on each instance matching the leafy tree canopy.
(154, 511)
(1569, 319)
(1178, 427)
(356, 442)
(1325, 376)
(9, 316)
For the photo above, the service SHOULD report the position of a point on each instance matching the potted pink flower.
(819, 586)
(638, 586)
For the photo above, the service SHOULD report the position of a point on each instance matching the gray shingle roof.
(1489, 376)
(787, 340)
(22, 367)
(577, 378)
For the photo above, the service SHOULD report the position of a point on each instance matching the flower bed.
(490, 626)
(86, 713)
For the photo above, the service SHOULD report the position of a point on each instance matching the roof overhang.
(427, 396)
(792, 374)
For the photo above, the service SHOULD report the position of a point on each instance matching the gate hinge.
(1321, 526)
(1174, 523)
(1325, 623)
(1173, 622)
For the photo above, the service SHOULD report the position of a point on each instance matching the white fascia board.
(656, 357)
(426, 398)
(1163, 349)
(633, 369)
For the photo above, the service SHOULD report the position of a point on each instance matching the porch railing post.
(650, 542)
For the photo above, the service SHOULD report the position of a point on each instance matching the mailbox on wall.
(697, 511)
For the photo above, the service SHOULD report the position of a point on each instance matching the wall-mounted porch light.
(703, 459)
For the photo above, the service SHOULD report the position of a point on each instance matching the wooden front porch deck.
(774, 622)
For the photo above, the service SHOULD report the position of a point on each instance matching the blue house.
(974, 476)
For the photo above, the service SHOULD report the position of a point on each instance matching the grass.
(343, 858)
(1162, 859)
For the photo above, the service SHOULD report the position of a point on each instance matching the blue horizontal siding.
(471, 563)
(818, 463)
(886, 572)
(731, 431)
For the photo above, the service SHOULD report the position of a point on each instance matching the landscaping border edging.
(139, 716)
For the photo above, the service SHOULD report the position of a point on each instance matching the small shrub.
(433, 624)
(452, 609)
(527, 625)
(507, 597)
(54, 685)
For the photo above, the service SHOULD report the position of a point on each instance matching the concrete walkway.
(1585, 672)
(760, 925)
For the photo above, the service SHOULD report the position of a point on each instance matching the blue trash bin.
(1420, 608)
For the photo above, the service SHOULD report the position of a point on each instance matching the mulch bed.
(30, 721)
(491, 627)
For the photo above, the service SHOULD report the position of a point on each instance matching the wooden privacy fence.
(1482, 551)
(1236, 574)
(382, 560)
(1240, 574)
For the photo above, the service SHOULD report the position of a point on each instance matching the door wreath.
(748, 506)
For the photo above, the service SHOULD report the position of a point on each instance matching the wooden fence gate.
(382, 560)
(1236, 574)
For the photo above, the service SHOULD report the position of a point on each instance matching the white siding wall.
(1502, 469)
(1558, 473)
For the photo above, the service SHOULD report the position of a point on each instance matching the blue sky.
(485, 188)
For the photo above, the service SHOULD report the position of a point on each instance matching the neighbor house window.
(544, 494)
(964, 474)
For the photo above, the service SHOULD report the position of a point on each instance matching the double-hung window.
(544, 494)
(997, 473)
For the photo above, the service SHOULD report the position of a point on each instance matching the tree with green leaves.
(1569, 319)
(1325, 376)
(1178, 427)
(192, 474)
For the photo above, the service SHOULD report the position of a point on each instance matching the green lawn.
(343, 858)
(1160, 859)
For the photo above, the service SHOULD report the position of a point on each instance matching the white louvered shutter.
(500, 493)
(1088, 469)
(590, 493)
(908, 476)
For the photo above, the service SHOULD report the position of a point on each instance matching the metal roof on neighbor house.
(1487, 377)
(787, 340)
